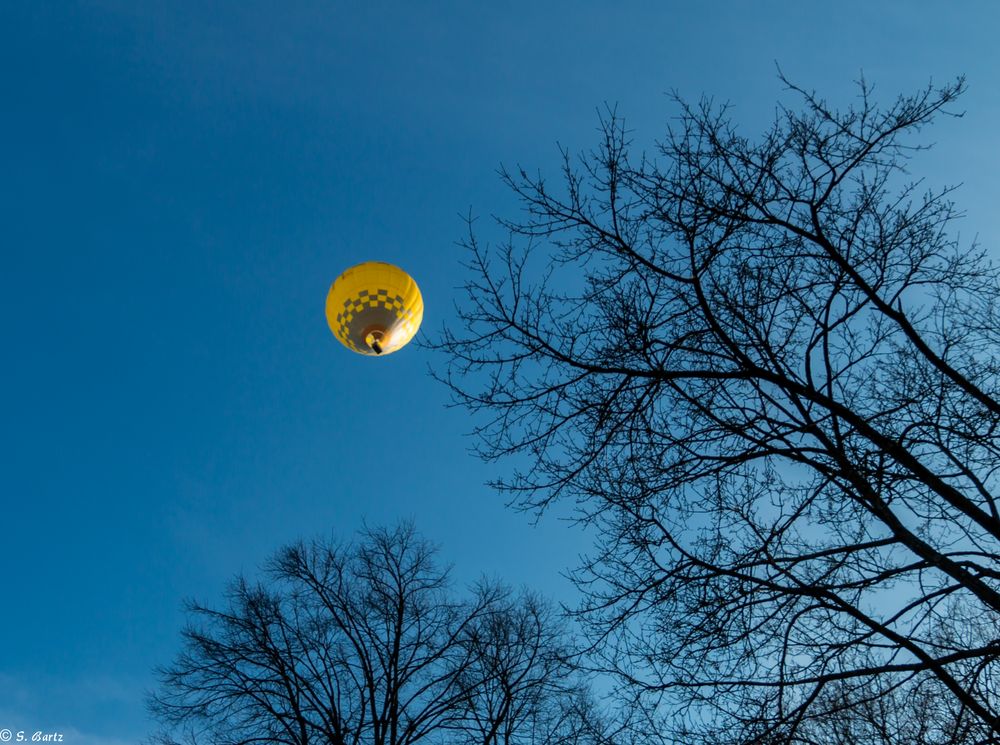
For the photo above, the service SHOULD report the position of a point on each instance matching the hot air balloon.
(374, 308)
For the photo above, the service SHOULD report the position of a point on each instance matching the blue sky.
(182, 181)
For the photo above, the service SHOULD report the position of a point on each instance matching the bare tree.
(880, 715)
(350, 644)
(523, 682)
(767, 375)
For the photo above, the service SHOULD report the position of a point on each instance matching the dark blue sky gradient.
(181, 183)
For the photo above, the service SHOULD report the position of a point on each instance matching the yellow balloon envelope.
(374, 308)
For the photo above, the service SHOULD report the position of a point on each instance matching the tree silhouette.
(524, 687)
(365, 643)
(767, 376)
